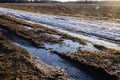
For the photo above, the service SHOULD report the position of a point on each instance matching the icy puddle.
(52, 59)
(64, 47)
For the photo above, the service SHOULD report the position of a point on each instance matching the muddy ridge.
(106, 64)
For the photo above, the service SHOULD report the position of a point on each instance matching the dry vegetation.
(106, 11)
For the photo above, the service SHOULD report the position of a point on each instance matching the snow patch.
(79, 25)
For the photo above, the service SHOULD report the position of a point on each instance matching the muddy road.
(54, 38)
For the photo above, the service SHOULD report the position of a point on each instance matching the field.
(59, 41)
(106, 12)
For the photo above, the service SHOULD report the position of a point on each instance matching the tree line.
(27, 1)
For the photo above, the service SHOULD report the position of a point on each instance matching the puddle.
(51, 59)
(54, 60)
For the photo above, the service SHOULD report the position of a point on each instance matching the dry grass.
(106, 11)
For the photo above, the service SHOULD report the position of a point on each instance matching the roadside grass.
(106, 11)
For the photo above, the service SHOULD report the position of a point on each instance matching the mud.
(106, 64)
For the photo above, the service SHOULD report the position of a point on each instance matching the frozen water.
(63, 23)
(70, 46)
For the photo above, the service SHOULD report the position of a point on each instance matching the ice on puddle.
(79, 25)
